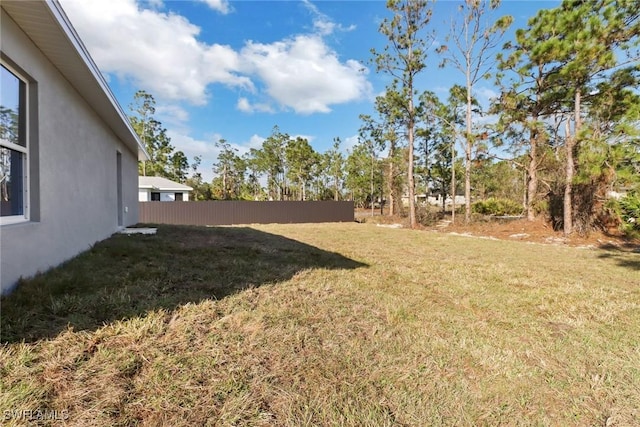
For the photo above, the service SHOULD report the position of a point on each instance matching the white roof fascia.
(175, 189)
(65, 24)
(161, 184)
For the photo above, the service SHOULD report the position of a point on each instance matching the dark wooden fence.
(241, 212)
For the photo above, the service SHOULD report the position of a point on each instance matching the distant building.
(423, 199)
(158, 189)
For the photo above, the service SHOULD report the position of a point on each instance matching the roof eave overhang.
(153, 187)
(48, 26)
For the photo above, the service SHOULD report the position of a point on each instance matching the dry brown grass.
(334, 324)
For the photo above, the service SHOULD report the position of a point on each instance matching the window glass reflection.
(10, 108)
(11, 182)
(13, 146)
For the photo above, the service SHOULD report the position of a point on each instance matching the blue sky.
(234, 69)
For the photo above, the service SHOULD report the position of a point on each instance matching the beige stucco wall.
(74, 183)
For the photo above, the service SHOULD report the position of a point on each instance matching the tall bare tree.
(386, 132)
(473, 40)
(404, 57)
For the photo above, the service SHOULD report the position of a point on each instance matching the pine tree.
(387, 132)
(580, 44)
(404, 58)
(270, 160)
(163, 160)
(300, 158)
(335, 166)
(473, 43)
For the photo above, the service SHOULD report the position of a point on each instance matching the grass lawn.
(325, 324)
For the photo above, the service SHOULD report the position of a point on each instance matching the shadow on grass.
(627, 255)
(127, 276)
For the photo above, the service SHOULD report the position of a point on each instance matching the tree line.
(560, 136)
(564, 130)
(283, 168)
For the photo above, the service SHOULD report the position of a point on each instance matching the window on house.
(178, 197)
(14, 150)
(155, 197)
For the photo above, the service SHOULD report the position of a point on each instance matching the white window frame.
(13, 219)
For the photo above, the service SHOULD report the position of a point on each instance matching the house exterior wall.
(71, 150)
(144, 195)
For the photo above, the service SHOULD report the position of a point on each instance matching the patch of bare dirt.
(520, 229)
(539, 231)
(510, 229)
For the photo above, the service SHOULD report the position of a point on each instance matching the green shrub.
(499, 207)
(629, 210)
(428, 216)
(541, 207)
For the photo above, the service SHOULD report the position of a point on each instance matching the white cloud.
(245, 106)
(142, 45)
(172, 114)
(221, 6)
(486, 94)
(480, 121)
(192, 147)
(324, 25)
(157, 4)
(161, 53)
(206, 150)
(255, 141)
(309, 138)
(302, 73)
(349, 143)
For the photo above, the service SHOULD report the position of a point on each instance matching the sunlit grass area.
(327, 324)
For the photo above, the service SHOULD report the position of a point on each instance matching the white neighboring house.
(423, 199)
(158, 189)
(68, 154)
